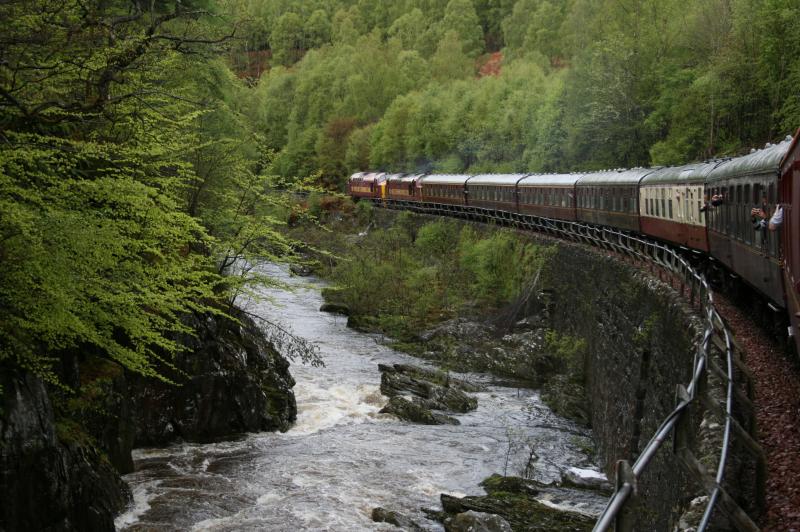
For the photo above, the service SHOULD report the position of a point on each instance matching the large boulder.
(520, 511)
(416, 412)
(472, 521)
(52, 477)
(433, 389)
(229, 380)
(382, 515)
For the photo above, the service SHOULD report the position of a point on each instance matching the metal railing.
(717, 341)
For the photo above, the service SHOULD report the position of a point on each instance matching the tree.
(408, 28)
(288, 40)
(461, 18)
(98, 255)
(318, 29)
(450, 62)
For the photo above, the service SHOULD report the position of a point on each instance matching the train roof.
(762, 161)
(369, 176)
(401, 177)
(537, 180)
(495, 179)
(445, 179)
(788, 159)
(684, 175)
(405, 178)
(613, 177)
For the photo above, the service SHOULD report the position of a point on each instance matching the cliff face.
(48, 478)
(60, 467)
(230, 381)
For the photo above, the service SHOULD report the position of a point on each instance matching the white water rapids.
(341, 459)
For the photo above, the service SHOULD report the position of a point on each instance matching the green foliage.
(288, 40)
(461, 18)
(364, 212)
(568, 351)
(130, 181)
(404, 279)
(499, 266)
(582, 84)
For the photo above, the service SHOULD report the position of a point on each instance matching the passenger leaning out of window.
(715, 201)
(760, 215)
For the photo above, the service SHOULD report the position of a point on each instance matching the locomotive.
(669, 204)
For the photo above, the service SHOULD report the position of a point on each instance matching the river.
(342, 458)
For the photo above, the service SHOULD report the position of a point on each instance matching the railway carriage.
(404, 187)
(548, 195)
(447, 189)
(611, 198)
(733, 240)
(368, 185)
(664, 203)
(671, 204)
(494, 191)
(790, 239)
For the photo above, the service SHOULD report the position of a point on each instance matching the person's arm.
(776, 221)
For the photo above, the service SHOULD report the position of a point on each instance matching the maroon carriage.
(548, 195)
(610, 198)
(444, 189)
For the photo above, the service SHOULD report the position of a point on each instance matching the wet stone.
(382, 515)
(431, 390)
(412, 410)
(472, 521)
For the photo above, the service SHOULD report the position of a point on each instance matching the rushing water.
(342, 458)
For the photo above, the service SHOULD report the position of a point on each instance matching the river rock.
(51, 476)
(472, 521)
(586, 479)
(382, 515)
(463, 328)
(301, 270)
(518, 485)
(435, 376)
(230, 380)
(401, 380)
(520, 511)
(335, 308)
(414, 411)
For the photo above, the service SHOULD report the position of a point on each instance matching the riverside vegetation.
(467, 296)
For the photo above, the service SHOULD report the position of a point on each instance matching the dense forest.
(139, 141)
(525, 85)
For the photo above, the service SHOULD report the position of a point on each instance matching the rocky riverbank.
(63, 448)
(426, 396)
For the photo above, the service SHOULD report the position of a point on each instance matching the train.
(704, 207)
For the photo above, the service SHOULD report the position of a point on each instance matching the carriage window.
(771, 195)
(747, 195)
(757, 193)
(670, 208)
(739, 194)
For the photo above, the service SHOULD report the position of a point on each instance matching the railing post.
(624, 477)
